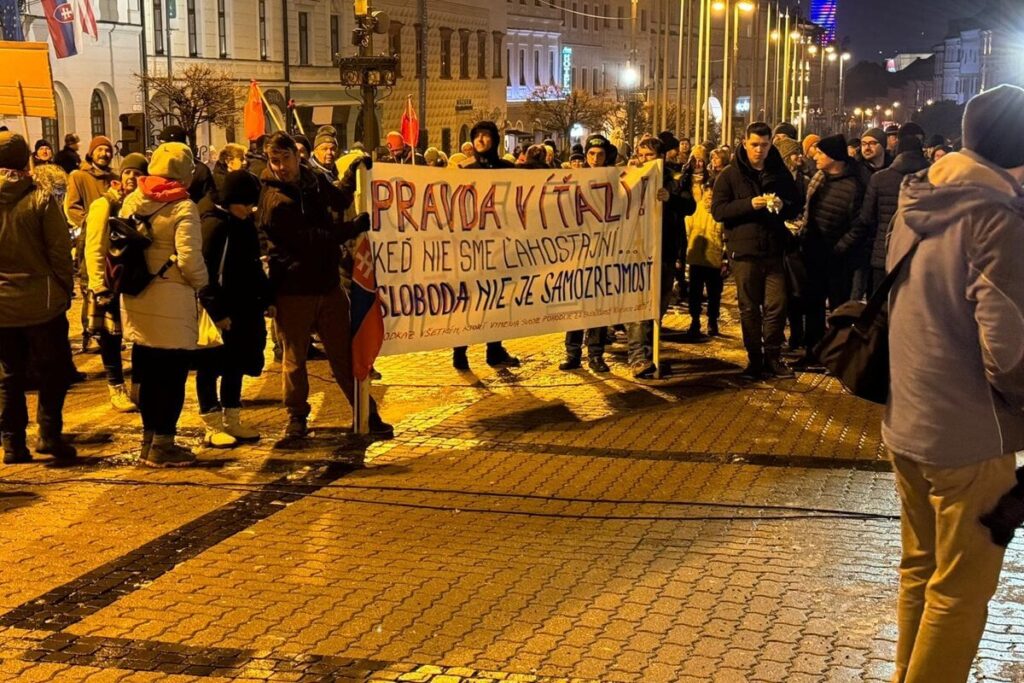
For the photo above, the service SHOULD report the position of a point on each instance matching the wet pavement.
(524, 525)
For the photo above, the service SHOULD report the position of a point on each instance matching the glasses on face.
(871, 144)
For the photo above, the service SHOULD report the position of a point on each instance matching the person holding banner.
(753, 198)
(600, 153)
(299, 215)
(678, 203)
(484, 139)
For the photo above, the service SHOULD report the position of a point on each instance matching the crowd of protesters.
(268, 232)
(803, 226)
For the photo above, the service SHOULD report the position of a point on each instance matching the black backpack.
(126, 271)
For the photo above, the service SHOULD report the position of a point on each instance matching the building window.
(619, 17)
(222, 29)
(463, 53)
(586, 17)
(583, 79)
(419, 50)
(508, 72)
(522, 67)
(395, 44)
(193, 31)
(643, 20)
(446, 52)
(481, 54)
(51, 133)
(536, 67)
(498, 37)
(335, 35)
(158, 28)
(97, 114)
(446, 140)
(303, 37)
(563, 12)
(551, 68)
(607, 16)
(575, 16)
(263, 28)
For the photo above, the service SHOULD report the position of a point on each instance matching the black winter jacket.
(833, 211)
(240, 290)
(302, 226)
(882, 198)
(751, 232)
(678, 206)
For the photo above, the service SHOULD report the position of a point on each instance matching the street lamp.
(629, 92)
(746, 7)
(896, 108)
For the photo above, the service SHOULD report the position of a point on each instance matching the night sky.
(892, 26)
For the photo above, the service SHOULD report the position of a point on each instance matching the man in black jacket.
(68, 157)
(299, 217)
(830, 235)
(882, 198)
(753, 197)
(484, 137)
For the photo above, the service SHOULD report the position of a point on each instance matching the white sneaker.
(233, 426)
(120, 400)
(215, 436)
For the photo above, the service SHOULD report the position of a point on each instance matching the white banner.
(470, 256)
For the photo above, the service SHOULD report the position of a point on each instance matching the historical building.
(980, 52)
(93, 88)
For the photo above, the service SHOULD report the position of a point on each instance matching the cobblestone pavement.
(524, 525)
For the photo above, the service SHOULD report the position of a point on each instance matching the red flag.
(366, 309)
(252, 114)
(410, 124)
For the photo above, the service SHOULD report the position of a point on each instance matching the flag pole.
(24, 123)
(270, 109)
(361, 407)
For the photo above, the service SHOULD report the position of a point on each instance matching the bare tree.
(556, 111)
(196, 95)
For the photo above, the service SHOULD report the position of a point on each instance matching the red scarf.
(161, 189)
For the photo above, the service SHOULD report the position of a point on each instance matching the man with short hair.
(299, 215)
(36, 270)
(68, 158)
(955, 415)
(484, 139)
(873, 150)
(85, 186)
(753, 197)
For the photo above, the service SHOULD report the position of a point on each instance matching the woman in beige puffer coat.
(162, 321)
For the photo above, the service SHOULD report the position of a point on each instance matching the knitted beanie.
(173, 160)
(136, 161)
(14, 152)
(992, 125)
(875, 134)
(787, 147)
(100, 141)
(834, 146)
(240, 187)
(810, 141)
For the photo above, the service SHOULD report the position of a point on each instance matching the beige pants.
(950, 566)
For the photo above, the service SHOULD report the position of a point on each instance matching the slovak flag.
(366, 310)
(60, 19)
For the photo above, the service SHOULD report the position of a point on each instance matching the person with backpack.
(236, 299)
(38, 279)
(955, 416)
(162, 320)
(105, 306)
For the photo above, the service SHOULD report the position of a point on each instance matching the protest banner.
(469, 256)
